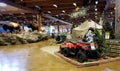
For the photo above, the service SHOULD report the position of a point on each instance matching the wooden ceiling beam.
(58, 11)
(50, 3)
(61, 5)
(14, 12)
(61, 8)
(19, 1)
(19, 6)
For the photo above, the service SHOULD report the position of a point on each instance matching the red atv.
(82, 51)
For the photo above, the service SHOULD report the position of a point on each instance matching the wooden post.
(39, 19)
(117, 23)
(58, 27)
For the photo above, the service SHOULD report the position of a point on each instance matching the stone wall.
(113, 47)
(22, 38)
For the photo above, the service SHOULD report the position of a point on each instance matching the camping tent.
(81, 30)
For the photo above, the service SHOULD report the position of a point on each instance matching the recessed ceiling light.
(96, 9)
(49, 11)
(63, 11)
(96, 2)
(33, 15)
(111, 12)
(2, 4)
(96, 13)
(74, 4)
(56, 15)
(22, 13)
(55, 5)
(115, 8)
(37, 6)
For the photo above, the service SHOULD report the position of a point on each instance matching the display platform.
(88, 64)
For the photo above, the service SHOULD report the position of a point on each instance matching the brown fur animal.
(34, 26)
(13, 27)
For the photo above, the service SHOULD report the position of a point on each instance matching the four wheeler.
(81, 50)
(60, 38)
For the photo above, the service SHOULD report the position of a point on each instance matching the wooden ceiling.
(46, 6)
(8, 9)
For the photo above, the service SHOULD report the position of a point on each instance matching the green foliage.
(100, 40)
(108, 28)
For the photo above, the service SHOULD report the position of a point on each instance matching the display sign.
(107, 35)
(92, 46)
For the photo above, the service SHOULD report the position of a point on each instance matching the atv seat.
(74, 42)
(84, 42)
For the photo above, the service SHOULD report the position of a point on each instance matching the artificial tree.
(100, 40)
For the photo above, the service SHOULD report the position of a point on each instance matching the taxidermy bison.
(13, 27)
(34, 26)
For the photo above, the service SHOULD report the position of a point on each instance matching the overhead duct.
(55, 19)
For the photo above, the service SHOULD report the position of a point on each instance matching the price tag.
(92, 46)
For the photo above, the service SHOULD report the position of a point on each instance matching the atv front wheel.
(66, 52)
(81, 57)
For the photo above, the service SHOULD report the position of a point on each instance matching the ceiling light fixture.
(22, 13)
(55, 5)
(111, 12)
(37, 6)
(95, 16)
(56, 15)
(49, 11)
(33, 15)
(2, 4)
(96, 13)
(63, 11)
(115, 8)
(96, 2)
(74, 4)
(96, 9)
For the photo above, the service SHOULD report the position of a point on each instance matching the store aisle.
(37, 57)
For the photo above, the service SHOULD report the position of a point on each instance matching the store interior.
(35, 35)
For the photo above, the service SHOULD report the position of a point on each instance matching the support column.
(39, 19)
(117, 22)
(58, 27)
